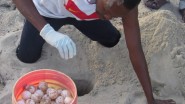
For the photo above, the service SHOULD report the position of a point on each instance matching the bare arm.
(133, 40)
(28, 9)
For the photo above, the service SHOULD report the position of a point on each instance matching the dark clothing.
(30, 47)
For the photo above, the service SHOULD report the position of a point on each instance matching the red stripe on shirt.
(72, 7)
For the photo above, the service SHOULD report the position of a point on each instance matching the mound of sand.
(103, 75)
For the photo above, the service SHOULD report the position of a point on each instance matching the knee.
(27, 57)
(112, 42)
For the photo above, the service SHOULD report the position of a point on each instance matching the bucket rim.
(37, 70)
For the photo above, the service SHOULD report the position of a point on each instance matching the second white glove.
(63, 43)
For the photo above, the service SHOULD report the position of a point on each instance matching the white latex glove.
(63, 43)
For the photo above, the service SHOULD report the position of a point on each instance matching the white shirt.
(56, 8)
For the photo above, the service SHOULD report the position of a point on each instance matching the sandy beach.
(104, 75)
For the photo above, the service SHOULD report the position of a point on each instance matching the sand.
(103, 75)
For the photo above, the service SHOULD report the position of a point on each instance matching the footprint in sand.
(157, 87)
(178, 56)
(8, 5)
(136, 98)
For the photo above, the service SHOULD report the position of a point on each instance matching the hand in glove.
(63, 43)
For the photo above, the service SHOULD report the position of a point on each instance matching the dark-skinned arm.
(133, 41)
(29, 11)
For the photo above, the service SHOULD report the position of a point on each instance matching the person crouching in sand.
(45, 17)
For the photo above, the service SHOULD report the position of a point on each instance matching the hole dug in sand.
(84, 84)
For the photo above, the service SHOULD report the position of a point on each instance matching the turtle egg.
(43, 86)
(21, 101)
(40, 93)
(53, 102)
(36, 97)
(47, 91)
(68, 100)
(59, 91)
(30, 88)
(66, 93)
(26, 95)
(46, 97)
(60, 100)
(53, 94)
(30, 101)
(45, 101)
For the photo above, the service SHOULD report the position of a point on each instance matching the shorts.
(30, 47)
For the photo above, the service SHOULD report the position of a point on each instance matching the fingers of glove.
(74, 47)
(66, 49)
(60, 49)
(71, 50)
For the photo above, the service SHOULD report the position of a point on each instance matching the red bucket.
(54, 79)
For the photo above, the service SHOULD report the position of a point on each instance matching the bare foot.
(155, 4)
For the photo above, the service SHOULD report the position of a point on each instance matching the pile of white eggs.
(42, 94)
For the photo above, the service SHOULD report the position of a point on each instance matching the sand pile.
(104, 75)
(163, 39)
